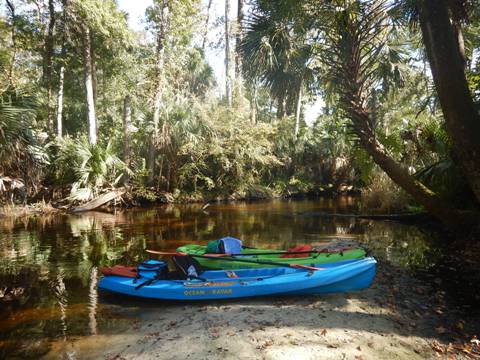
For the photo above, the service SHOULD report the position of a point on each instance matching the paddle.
(316, 251)
(230, 258)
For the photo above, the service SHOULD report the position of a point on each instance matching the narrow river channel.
(49, 264)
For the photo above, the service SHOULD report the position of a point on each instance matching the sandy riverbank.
(397, 318)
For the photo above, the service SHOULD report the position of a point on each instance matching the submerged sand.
(397, 318)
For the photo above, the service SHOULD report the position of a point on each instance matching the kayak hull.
(336, 277)
(319, 258)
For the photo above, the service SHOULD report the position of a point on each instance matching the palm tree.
(350, 39)
(21, 155)
(277, 54)
(355, 41)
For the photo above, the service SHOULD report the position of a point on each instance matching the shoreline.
(399, 317)
(132, 198)
(43, 208)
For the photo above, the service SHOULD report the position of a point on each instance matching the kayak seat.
(187, 267)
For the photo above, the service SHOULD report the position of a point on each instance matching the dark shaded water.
(49, 264)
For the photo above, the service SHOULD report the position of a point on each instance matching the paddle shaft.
(313, 251)
(231, 258)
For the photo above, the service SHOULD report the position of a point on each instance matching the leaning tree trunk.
(92, 121)
(400, 175)
(447, 65)
(228, 80)
(157, 102)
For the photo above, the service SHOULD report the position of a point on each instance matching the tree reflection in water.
(62, 300)
(93, 299)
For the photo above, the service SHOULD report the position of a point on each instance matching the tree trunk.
(92, 121)
(400, 175)
(157, 102)
(447, 65)
(298, 110)
(238, 58)
(228, 80)
(205, 33)
(61, 80)
(48, 63)
(60, 101)
(281, 107)
(94, 70)
(127, 125)
(13, 35)
(253, 104)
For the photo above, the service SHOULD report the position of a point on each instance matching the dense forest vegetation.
(88, 105)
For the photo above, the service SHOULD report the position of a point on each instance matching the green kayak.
(264, 255)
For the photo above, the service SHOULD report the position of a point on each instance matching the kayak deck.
(262, 254)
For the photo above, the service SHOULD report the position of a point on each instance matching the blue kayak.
(342, 276)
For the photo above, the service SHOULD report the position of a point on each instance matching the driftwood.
(101, 200)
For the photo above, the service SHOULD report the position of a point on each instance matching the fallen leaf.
(323, 332)
(437, 347)
(266, 344)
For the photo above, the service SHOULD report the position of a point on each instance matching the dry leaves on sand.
(470, 349)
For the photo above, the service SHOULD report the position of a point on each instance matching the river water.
(49, 264)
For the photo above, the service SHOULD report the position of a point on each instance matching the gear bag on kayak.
(226, 245)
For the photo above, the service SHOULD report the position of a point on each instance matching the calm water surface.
(49, 264)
